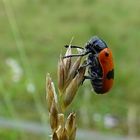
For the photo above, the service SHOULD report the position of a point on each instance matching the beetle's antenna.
(73, 46)
(76, 55)
(73, 55)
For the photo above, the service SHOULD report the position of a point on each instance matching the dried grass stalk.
(70, 76)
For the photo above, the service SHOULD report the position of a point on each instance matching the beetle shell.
(106, 61)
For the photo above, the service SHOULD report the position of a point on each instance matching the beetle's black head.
(95, 44)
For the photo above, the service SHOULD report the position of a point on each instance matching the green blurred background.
(32, 36)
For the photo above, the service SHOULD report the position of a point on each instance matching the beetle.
(99, 63)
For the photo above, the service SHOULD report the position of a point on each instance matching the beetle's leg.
(86, 63)
(87, 77)
(73, 46)
(98, 81)
(93, 77)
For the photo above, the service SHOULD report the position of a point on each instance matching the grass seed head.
(59, 131)
(61, 119)
(61, 123)
(71, 123)
(64, 135)
(73, 70)
(67, 61)
(70, 77)
(54, 116)
(73, 87)
(73, 134)
(61, 75)
(54, 136)
(50, 92)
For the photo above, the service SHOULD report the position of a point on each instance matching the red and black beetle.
(100, 64)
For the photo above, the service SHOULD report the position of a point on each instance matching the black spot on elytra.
(106, 54)
(110, 74)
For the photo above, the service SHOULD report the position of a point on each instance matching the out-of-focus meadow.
(32, 36)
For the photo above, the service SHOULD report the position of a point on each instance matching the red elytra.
(107, 65)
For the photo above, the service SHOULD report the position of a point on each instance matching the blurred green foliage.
(34, 32)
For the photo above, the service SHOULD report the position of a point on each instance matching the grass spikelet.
(50, 96)
(61, 75)
(54, 136)
(54, 116)
(71, 123)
